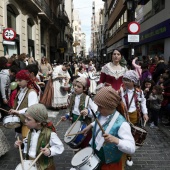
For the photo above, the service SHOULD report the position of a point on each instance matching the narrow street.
(154, 155)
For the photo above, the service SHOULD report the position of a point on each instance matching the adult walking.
(112, 72)
(45, 69)
(60, 78)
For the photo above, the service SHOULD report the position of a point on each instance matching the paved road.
(154, 155)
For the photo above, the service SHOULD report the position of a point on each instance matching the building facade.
(39, 28)
(153, 17)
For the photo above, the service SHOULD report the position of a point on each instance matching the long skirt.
(60, 98)
(4, 145)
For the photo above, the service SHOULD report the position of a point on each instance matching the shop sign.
(133, 38)
(9, 34)
(155, 33)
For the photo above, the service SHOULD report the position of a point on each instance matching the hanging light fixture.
(129, 4)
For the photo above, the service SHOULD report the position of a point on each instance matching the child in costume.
(117, 138)
(39, 136)
(134, 100)
(80, 103)
(26, 96)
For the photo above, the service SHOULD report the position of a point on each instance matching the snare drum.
(85, 160)
(77, 141)
(11, 122)
(27, 164)
(139, 135)
(66, 88)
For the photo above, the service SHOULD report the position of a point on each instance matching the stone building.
(39, 25)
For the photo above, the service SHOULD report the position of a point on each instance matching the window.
(11, 17)
(125, 16)
(29, 28)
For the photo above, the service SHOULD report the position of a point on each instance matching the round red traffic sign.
(133, 27)
(9, 34)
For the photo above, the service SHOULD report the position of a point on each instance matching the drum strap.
(111, 122)
(128, 105)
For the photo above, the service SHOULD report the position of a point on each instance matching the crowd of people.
(118, 94)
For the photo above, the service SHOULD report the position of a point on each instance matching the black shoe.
(167, 124)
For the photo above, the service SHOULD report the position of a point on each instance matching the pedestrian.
(117, 139)
(155, 99)
(39, 136)
(93, 78)
(112, 72)
(26, 96)
(5, 80)
(134, 100)
(61, 79)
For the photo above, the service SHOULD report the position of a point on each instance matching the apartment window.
(30, 24)
(75, 28)
(11, 17)
(158, 5)
(125, 16)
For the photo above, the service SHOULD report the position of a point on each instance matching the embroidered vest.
(23, 104)
(81, 106)
(44, 161)
(111, 152)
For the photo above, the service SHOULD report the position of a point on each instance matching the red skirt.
(112, 166)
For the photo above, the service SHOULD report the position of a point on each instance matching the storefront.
(155, 41)
(11, 47)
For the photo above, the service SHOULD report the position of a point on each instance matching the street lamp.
(131, 6)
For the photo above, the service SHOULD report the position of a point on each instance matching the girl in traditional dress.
(117, 139)
(26, 96)
(39, 136)
(112, 73)
(60, 78)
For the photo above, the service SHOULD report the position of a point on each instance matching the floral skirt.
(4, 145)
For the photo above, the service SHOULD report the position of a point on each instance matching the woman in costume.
(60, 78)
(112, 72)
(93, 78)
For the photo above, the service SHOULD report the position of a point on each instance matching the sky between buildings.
(85, 11)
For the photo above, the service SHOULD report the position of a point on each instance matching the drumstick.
(144, 123)
(4, 110)
(35, 160)
(20, 152)
(58, 122)
(73, 134)
(101, 128)
(74, 124)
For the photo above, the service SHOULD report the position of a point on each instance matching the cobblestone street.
(154, 155)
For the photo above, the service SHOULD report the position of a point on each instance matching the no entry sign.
(133, 27)
(9, 34)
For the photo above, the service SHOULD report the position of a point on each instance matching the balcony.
(56, 21)
(46, 10)
(64, 17)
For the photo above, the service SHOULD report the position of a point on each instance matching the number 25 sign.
(9, 34)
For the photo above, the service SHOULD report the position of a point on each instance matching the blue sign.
(157, 32)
